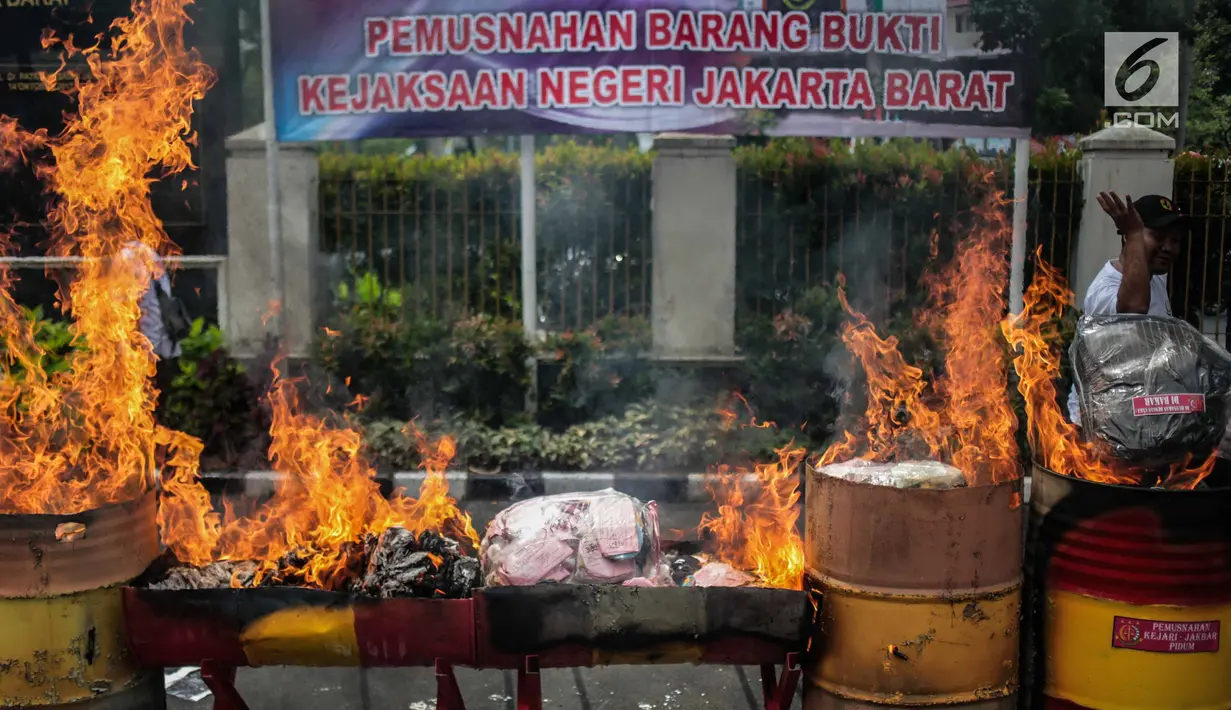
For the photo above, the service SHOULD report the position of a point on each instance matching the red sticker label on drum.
(1165, 636)
(1168, 404)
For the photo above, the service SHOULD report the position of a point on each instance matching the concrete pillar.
(249, 272)
(1132, 160)
(694, 247)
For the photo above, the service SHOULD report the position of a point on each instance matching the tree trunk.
(1186, 73)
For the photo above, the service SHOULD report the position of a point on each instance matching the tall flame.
(964, 417)
(86, 436)
(1057, 444)
(326, 503)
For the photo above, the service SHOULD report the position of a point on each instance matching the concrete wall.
(249, 254)
(1131, 160)
(693, 304)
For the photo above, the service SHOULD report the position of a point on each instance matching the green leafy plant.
(420, 366)
(214, 399)
(586, 374)
(53, 338)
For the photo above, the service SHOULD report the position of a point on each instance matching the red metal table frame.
(206, 629)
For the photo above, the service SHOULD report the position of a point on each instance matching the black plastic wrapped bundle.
(1152, 390)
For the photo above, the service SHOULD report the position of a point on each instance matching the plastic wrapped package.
(604, 537)
(905, 474)
(718, 574)
(1152, 390)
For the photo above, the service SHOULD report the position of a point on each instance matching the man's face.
(1166, 248)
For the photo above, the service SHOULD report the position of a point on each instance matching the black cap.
(1158, 212)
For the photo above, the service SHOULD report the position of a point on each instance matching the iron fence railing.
(454, 249)
(1201, 279)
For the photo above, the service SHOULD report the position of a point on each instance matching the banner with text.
(388, 68)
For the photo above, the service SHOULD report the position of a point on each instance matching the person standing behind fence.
(163, 319)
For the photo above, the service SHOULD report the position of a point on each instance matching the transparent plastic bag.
(905, 474)
(1152, 390)
(605, 537)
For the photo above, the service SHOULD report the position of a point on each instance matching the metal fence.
(1200, 281)
(454, 250)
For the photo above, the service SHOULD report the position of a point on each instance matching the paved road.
(611, 688)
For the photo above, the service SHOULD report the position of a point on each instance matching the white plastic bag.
(906, 474)
(604, 537)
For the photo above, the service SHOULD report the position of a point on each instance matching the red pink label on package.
(1165, 636)
(1155, 404)
(615, 524)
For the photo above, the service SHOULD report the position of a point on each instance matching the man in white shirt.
(1152, 230)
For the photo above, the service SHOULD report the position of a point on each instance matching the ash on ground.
(698, 570)
(397, 564)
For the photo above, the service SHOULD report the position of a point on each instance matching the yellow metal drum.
(922, 595)
(62, 640)
(1131, 596)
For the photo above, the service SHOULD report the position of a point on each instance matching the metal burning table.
(522, 628)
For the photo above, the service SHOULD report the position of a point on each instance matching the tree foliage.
(1062, 41)
(1210, 107)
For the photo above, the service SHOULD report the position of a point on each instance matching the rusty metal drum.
(1129, 596)
(921, 595)
(63, 644)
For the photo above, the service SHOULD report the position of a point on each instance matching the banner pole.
(1021, 190)
(273, 184)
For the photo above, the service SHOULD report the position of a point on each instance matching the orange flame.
(963, 418)
(326, 504)
(758, 532)
(1056, 443)
(755, 528)
(86, 437)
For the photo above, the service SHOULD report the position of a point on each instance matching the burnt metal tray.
(293, 626)
(587, 625)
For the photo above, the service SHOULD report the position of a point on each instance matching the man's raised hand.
(1123, 213)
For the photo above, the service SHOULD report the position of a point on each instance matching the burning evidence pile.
(957, 429)
(397, 563)
(327, 526)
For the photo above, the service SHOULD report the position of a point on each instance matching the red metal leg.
(221, 682)
(529, 685)
(448, 694)
(780, 692)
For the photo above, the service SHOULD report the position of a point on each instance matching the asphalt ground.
(679, 687)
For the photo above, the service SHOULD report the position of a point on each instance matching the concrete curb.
(466, 486)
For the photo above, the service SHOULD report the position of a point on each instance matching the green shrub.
(53, 338)
(646, 437)
(214, 399)
(584, 375)
(412, 367)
